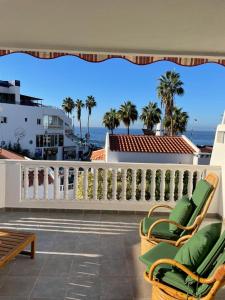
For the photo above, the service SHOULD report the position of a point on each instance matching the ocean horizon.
(97, 135)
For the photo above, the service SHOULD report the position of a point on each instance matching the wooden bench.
(13, 243)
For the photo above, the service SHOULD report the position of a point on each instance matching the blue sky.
(115, 81)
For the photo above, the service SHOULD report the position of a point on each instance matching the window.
(7, 98)
(50, 140)
(3, 120)
(25, 119)
(38, 121)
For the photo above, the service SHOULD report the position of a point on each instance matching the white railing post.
(85, 184)
(190, 183)
(65, 183)
(172, 184)
(180, 184)
(143, 184)
(36, 183)
(46, 183)
(162, 185)
(95, 184)
(56, 183)
(134, 184)
(153, 175)
(114, 184)
(124, 184)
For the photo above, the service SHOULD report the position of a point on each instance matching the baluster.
(190, 183)
(199, 176)
(26, 183)
(114, 184)
(172, 184)
(56, 183)
(162, 185)
(46, 183)
(95, 184)
(65, 183)
(75, 183)
(124, 184)
(143, 184)
(85, 184)
(36, 183)
(153, 175)
(134, 184)
(105, 186)
(180, 184)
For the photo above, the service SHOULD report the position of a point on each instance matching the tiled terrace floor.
(80, 256)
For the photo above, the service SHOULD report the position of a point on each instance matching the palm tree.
(68, 105)
(151, 115)
(169, 86)
(128, 113)
(79, 105)
(90, 103)
(180, 121)
(111, 120)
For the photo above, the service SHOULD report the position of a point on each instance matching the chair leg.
(33, 247)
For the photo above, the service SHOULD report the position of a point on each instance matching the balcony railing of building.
(98, 186)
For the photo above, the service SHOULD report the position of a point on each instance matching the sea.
(97, 135)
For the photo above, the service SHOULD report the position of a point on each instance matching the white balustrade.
(115, 186)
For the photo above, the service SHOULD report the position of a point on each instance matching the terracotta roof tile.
(6, 154)
(145, 143)
(98, 155)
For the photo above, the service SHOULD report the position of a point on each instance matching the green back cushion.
(208, 262)
(199, 197)
(194, 251)
(204, 288)
(181, 214)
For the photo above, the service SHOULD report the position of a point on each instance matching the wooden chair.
(13, 243)
(149, 240)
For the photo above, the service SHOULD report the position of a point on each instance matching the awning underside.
(136, 59)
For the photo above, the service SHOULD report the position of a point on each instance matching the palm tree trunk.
(128, 130)
(88, 122)
(80, 130)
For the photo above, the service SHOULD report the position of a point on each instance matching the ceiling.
(162, 27)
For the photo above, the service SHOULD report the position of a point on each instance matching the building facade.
(46, 132)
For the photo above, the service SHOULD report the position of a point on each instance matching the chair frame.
(161, 291)
(149, 241)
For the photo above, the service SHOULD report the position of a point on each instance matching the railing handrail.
(103, 165)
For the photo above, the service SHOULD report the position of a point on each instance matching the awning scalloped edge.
(138, 60)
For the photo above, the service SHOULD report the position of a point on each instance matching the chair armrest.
(220, 271)
(153, 208)
(170, 222)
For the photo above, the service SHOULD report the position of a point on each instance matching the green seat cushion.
(161, 230)
(162, 250)
(177, 280)
(199, 197)
(209, 261)
(181, 214)
(194, 251)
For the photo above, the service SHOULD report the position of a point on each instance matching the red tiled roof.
(98, 155)
(145, 143)
(6, 154)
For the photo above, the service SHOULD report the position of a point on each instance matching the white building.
(150, 149)
(45, 131)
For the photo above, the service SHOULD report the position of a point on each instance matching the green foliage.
(111, 120)
(68, 105)
(151, 115)
(128, 114)
(119, 189)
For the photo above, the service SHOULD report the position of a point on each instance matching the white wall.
(115, 156)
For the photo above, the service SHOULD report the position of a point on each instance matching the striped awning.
(135, 59)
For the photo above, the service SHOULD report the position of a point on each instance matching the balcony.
(86, 217)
